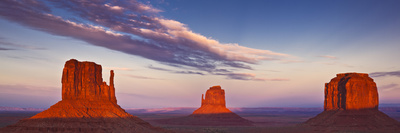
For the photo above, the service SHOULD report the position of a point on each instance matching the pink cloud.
(135, 28)
(327, 56)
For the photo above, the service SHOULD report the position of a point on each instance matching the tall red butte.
(351, 105)
(213, 112)
(351, 91)
(88, 105)
(214, 103)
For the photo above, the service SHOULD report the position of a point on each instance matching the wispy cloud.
(335, 63)
(389, 87)
(271, 70)
(23, 57)
(174, 71)
(327, 56)
(22, 89)
(134, 28)
(141, 77)
(381, 74)
(119, 68)
(159, 68)
(5, 48)
(135, 95)
(28, 95)
(276, 79)
(10, 44)
(224, 72)
(249, 76)
(286, 61)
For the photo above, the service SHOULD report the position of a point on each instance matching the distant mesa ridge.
(88, 105)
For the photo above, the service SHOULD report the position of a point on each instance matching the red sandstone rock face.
(214, 102)
(213, 112)
(351, 105)
(214, 96)
(88, 105)
(83, 80)
(351, 91)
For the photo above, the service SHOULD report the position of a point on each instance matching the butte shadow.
(213, 112)
(351, 105)
(88, 105)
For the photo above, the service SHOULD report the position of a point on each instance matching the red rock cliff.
(214, 96)
(213, 112)
(351, 105)
(351, 91)
(214, 102)
(88, 105)
(83, 81)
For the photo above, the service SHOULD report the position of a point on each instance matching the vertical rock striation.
(351, 91)
(214, 96)
(83, 81)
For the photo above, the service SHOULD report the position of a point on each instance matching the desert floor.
(265, 119)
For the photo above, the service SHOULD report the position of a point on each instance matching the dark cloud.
(159, 68)
(174, 71)
(238, 76)
(223, 72)
(248, 76)
(134, 28)
(5, 48)
(189, 72)
(381, 74)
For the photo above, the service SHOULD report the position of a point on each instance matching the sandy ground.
(279, 121)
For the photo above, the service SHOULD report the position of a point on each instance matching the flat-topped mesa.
(351, 105)
(214, 102)
(351, 91)
(83, 81)
(214, 96)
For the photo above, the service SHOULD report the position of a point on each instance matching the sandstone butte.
(351, 91)
(213, 112)
(214, 103)
(351, 105)
(88, 105)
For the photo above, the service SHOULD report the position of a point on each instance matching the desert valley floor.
(265, 119)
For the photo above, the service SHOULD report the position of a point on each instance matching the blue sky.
(167, 53)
